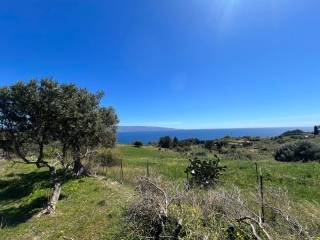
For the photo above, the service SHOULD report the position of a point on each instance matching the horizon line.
(216, 128)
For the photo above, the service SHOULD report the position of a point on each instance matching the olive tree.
(28, 114)
(84, 124)
(38, 113)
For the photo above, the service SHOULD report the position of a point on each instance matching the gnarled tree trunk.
(78, 168)
(51, 206)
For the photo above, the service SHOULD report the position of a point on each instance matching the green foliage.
(137, 144)
(84, 123)
(204, 173)
(38, 113)
(29, 114)
(168, 142)
(165, 142)
(298, 151)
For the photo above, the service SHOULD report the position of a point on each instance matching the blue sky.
(174, 63)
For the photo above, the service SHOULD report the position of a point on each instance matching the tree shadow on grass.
(15, 189)
(22, 185)
(14, 216)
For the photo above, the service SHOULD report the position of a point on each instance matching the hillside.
(95, 208)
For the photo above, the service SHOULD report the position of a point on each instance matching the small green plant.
(204, 173)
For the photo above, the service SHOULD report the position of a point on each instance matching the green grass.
(301, 180)
(88, 208)
(94, 209)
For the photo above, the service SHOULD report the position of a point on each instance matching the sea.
(203, 134)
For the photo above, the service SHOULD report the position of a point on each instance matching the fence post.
(148, 174)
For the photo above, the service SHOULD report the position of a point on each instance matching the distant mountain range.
(128, 129)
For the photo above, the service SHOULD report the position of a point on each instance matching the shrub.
(150, 215)
(138, 144)
(108, 157)
(298, 151)
(165, 142)
(204, 173)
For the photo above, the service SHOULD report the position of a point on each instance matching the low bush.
(150, 216)
(165, 142)
(298, 151)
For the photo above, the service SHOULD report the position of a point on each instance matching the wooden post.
(148, 174)
(262, 198)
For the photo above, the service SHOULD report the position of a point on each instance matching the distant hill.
(293, 133)
(142, 129)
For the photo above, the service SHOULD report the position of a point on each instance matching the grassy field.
(300, 179)
(88, 208)
(93, 208)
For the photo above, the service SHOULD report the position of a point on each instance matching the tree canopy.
(35, 114)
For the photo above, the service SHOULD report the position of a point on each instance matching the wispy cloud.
(278, 121)
(151, 123)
